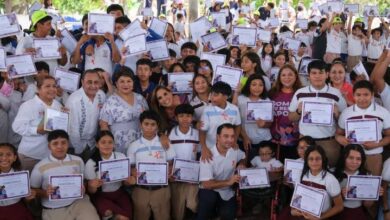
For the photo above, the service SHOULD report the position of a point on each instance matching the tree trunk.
(193, 10)
(8, 6)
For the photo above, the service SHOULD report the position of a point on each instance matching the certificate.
(3, 55)
(68, 40)
(284, 35)
(359, 131)
(135, 45)
(133, 29)
(219, 20)
(370, 10)
(291, 44)
(274, 22)
(198, 28)
(99, 24)
(363, 187)
(303, 70)
(293, 170)
(67, 80)
(186, 170)
(215, 59)
(259, 110)
(335, 6)
(158, 50)
(308, 199)
(147, 12)
(46, 49)
(323, 8)
(228, 75)
(9, 25)
(152, 173)
(354, 8)
(302, 23)
(20, 66)
(214, 41)
(263, 35)
(159, 26)
(66, 187)
(360, 70)
(56, 120)
(317, 113)
(253, 178)
(14, 185)
(180, 82)
(114, 170)
(244, 35)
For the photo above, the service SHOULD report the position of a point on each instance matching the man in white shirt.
(217, 177)
(378, 78)
(319, 91)
(84, 106)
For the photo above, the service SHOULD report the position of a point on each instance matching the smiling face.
(265, 154)
(105, 145)
(280, 60)
(363, 97)
(91, 84)
(337, 74)
(256, 88)
(287, 78)
(125, 85)
(314, 162)
(7, 158)
(226, 138)
(353, 161)
(164, 98)
(48, 90)
(200, 85)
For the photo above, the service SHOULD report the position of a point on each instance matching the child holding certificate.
(250, 64)
(109, 198)
(200, 96)
(9, 163)
(258, 130)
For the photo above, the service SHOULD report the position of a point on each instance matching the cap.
(37, 16)
(162, 16)
(337, 20)
(241, 21)
(212, 30)
(359, 20)
(256, 13)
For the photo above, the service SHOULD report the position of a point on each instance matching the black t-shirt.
(264, 13)
(319, 45)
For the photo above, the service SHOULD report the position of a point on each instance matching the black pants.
(210, 202)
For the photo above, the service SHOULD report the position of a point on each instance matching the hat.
(359, 20)
(38, 16)
(256, 13)
(241, 21)
(337, 20)
(212, 30)
(162, 16)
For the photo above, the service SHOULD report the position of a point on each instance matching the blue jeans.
(380, 212)
(210, 202)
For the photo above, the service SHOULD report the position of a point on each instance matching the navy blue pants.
(211, 204)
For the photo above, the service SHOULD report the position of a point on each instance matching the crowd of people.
(126, 107)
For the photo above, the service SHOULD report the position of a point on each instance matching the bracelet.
(298, 112)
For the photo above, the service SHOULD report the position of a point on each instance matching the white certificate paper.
(354, 8)
(152, 173)
(46, 49)
(198, 28)
(317, 113)
(371, 10)
(228, 75)
(264, 35)
(66, 187)
(244, 35)
(303, 70)
(67, 80)
(99, 24)
(114, 170)
(308, 199)
(133, 29)
(158, 50)
(274, 22)
(361, 70)
(186, 170)
(180, 82)
(359, 131)
(159, 26)
(3, 55)
(135, 45)
(363, 187)
(302, 23)
(68, 40)
(215, 59)
(291, 44)
(259, 110)
(293, 170)
(56, 120)
(335, 6)
(9, 25)
(14, 185)
(214, 41)
(219, 19)
(253, 178)
(20, 66)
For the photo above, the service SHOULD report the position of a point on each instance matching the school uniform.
(223, 199)
(333, 47)
(101, 58)
(214, 116)
(375, 49)
(33, 146)
(355, 50)
(184, 195)
(14, 206)
(198, 105)
(149, 199)
(385, 96)
(374, 111)
(84, 117)
(323, 135)
(61, 209)
(269, 165)
(110, 196)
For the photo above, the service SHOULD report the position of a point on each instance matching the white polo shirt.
(355, 46)
(29, 116)
(326, 94)
(92, 172)
(374, 111)
(102, 58)
(185, 145)
(198, 106)
(375, 48)
(385, 96)
(334, 41)
(221, 168)
(329, 184)
(214, 116)
(269, 165)
(9, 201)
(50, 166)
(143, 150)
